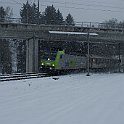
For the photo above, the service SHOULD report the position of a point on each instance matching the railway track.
(10, 77)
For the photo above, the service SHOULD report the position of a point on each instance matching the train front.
(49, 61)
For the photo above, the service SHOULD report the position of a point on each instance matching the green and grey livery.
(61, 61)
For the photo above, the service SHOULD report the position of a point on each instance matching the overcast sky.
(81, 10)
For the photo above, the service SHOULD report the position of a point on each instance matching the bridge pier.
(32, 56)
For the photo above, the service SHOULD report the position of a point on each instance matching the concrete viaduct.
(32, 33)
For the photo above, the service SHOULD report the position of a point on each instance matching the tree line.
(5, 14)
(30, 14)
(113, 23)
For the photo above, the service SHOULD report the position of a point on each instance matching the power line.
(92, 5)
(73, 7)
(6, 2)
(64, 5)
(13, 2)
(96, 1)
(73, 3)
(89, 9)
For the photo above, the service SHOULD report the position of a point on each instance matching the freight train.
(60, 61)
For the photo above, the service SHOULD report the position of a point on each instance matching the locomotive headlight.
(53, 65)
(42, 63)
(48, 59)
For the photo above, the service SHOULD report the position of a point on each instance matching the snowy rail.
(22, 76)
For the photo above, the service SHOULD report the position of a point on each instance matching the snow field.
(72, 99)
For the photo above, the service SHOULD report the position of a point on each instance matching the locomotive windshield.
(49, 55)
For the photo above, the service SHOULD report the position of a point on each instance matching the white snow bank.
(72, 99)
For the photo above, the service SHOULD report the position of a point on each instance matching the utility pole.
(88, 55)
(119, 54)
(27, 11)
(38, 11)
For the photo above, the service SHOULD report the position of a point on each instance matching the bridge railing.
(99, 25)
(78, 24)
(10, 20)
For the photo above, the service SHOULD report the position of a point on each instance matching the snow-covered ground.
(72, 99)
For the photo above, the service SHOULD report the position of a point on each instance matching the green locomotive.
(61, 61)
